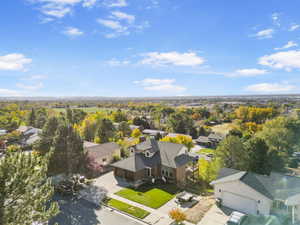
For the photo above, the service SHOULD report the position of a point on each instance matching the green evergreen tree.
(67, 151)
(232, 153)
(25, 191)
(124, 129)
(106, 130)
(258, 159)
(47, 136)
(31, 118)
(69, 115)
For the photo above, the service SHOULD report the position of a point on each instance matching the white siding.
(243, 191)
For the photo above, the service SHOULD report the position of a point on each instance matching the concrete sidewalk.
(215, 216)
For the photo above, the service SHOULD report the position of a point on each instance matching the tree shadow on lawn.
(75, 212)
(169, 188)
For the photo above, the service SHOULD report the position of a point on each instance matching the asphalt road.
(81, 212)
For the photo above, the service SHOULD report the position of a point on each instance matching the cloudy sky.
(149, 47)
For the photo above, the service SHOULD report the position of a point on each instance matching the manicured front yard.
(151, 196)
(132, 210)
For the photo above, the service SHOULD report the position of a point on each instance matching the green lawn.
(153, 197)
(206, 151)
(132, 210)
(223, 128)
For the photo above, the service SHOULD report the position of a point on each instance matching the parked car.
(236, 218)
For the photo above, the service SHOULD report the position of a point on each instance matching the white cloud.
(114, 25)
(270, 88)
(63, 2)
(9, 92)
(264, 34)
(14, 61)
(287, 60)
(115, 62)
(166, 85)
(35, 77)
(290, 44)
(172, 58)
(55, 8)
(31, 87)
(294, 27)
(250, 72)
(56, 11)
(115, 3)
(73, 32)
(123, 16)
(89, 3)
(276, 19)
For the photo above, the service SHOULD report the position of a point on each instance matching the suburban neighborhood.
(149, 112)
(114, 166)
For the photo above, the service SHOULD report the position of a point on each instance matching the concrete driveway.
(215, 216)
(110, 182)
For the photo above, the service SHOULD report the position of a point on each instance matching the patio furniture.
(185, 197)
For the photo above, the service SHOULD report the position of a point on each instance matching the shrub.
(177, 215)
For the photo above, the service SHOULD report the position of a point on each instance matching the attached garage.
(244, 204)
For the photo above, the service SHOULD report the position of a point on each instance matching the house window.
(219, 190)
(104, 160)
(257, 212)
(149, 174)
(258, 201)
(170, 174)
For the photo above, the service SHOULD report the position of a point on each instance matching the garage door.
(239, 203)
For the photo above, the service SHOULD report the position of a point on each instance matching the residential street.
(81, 212)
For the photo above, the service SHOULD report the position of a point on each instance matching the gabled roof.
(203, 139)
(102, 150)
(153, 132)
(164, 153)
(23, 128)
(276, 186)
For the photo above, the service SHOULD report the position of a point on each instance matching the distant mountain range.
(294, 97)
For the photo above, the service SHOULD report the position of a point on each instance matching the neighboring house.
(154, 160)
(103, 154)
(22, 129)
(29, 135)
(154, 133)
(132, 127)
(252, 193)
(176, 134)
(211, 141)
(3, 132)
(32, 139)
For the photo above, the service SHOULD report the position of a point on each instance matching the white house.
(256, 194)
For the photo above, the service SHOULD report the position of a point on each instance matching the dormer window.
(147, 154)
(132, 150)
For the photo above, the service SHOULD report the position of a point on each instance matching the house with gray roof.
(210, 141)
(151, 160)
(103, 154)
(252, 193)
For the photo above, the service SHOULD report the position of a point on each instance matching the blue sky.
(149, 47)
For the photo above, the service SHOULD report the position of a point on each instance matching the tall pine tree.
(31, 118)
(47, 135)
(25, 191)
(67, 151)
